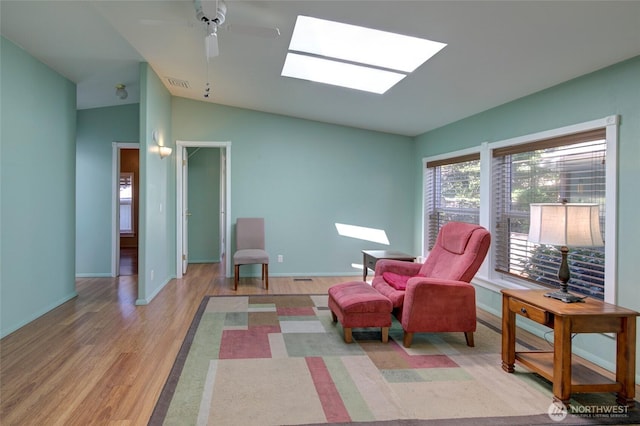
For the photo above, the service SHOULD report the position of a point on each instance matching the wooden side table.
(370, 257)
(593, 316)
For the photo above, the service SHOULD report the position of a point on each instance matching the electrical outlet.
(152, 274)
(280, 258)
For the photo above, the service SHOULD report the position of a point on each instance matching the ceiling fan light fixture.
(121, 91)
(213, 10)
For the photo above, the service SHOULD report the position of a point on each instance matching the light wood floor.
(99, 359)
(128, 260)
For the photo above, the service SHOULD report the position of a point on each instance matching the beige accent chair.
(250, 248)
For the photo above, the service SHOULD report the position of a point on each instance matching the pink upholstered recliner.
(436, 296)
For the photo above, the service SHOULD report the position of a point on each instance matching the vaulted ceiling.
(496, 52)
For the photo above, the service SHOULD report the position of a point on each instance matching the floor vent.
(303, 279)
(178, 83)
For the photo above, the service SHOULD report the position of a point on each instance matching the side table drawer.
(528, 311)
(371, 264)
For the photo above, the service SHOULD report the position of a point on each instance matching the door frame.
(115, 202)
(225, 204)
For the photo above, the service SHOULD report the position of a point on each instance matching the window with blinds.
(452, 193)
(570, 168)
(126, 204)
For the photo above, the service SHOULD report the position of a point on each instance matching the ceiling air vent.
(178, 83)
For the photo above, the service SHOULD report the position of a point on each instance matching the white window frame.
(489, 278)
(449, 155)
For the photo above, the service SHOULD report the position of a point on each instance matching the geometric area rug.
(280, 360)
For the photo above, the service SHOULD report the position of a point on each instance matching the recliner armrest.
(400, 267)
(417, 281)
(433, 304)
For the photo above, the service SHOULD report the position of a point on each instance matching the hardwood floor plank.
(100, 359)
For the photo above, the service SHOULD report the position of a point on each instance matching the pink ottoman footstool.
(357, 304)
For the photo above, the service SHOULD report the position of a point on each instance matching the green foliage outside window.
(585, 265)
(460, 185)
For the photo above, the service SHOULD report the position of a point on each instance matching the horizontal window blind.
(452, 193)
(570, 168)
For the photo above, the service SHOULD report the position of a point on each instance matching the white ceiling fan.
(213, 14)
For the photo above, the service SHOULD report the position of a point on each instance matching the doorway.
(182, 203)
(125, 211)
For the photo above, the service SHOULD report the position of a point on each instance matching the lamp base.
(564, 296)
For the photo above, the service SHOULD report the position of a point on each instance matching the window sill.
(499, 284)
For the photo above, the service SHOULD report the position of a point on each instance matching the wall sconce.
(164, 151)
(121, 92)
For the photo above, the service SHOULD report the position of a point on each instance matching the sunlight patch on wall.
(363, 233)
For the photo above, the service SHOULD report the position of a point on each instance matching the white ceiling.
(497, 52)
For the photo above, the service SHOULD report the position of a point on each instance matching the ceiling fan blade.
(254, 31)
(211, 45)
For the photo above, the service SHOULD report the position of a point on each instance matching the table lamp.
(565, 224)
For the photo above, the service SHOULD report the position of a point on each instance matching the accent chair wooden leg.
(236, 274)
(334, 318)
(468, 335)
(265, 275)
(407, 339)
(385, 334)
(347, 335)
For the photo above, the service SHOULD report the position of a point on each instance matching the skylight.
(338, 47)
(339, 73)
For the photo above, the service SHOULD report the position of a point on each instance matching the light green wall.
(37, 187)
(303, 177)
(157, 240)
(204, 205)
(97, 129)
(613, 90)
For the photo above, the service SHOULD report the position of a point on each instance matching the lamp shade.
(565, 224)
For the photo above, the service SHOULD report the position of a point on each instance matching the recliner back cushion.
(454, 239)
(458, 253)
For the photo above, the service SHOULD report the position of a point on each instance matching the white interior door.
(223, 205)
(185, 210)
(182, 212)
